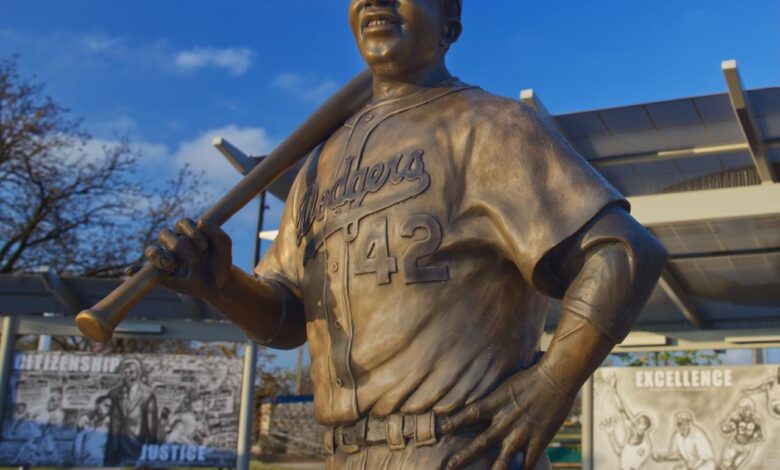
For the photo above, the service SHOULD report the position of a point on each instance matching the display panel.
(702, 418)
(90, 410)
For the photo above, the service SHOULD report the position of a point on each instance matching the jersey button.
(337, 212)
(369, 117)
(334, 266)
(339, 382)
(337, 324)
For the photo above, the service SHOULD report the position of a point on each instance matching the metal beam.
(529, 98)
(714, 204)
(711, 255)
(671, 286)
(183, 330)
(747, 122)
(27, 294)
(244, 164)
(240, 161)
(695, 340)
(70, 302)
(675, 154)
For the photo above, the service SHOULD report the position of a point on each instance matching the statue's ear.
(452, 30)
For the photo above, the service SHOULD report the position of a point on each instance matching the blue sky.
(173, 74)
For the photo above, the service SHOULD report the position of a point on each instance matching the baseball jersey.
(414, 237)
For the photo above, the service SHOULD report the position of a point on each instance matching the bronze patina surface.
(417, 251)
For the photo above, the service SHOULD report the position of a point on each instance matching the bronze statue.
(416, 253)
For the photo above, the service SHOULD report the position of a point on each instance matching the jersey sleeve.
(282, 262)
(533, 188)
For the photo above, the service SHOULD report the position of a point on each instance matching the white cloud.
(99, 49)
(306, 89)
(151, 153)
(120, 125)
(101, 43)
(201, 155)
(235, 60)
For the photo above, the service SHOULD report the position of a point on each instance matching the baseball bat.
(98, 323)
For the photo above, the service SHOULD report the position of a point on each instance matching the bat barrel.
(98, 323)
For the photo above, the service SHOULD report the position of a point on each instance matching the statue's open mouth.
(378, 21)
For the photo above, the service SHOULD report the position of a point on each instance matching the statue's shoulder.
(478, 107)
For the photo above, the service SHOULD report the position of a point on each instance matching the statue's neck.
(388, 87)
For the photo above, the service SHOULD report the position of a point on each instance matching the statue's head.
(398, 38)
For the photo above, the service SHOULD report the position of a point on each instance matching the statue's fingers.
(160, 258)
(132, 269)
(177, 244)
(533, 453)
(188, 228)
(222, 244)
(168, 239)
(476, 412)
(477, 446)
(512, 444)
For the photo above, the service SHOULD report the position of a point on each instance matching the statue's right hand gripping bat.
(98, 323)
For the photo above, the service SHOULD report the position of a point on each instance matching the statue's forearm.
(266, 310)
(599, 307)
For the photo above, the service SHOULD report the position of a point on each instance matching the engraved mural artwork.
(702, 418)
(84, 410)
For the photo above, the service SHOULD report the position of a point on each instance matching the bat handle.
(98, 323)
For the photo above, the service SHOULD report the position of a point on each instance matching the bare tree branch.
(80, 214)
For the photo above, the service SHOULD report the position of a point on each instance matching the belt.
(394, 430)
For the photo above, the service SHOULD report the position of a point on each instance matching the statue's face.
(397, 37)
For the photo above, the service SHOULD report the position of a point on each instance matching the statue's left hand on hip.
(525, 412)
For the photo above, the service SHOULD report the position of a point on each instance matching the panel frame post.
(7, 348)
(244, 444)
(586, 425)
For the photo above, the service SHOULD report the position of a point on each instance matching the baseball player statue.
(416, 254)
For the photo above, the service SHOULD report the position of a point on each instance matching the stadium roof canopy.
(701, 173)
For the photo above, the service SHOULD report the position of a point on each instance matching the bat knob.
(94, 326)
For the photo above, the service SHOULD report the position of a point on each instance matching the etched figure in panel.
(636, 448)
(690, 444)
(745, 429)
(89, 445)
(134, 417)
(771, 388)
